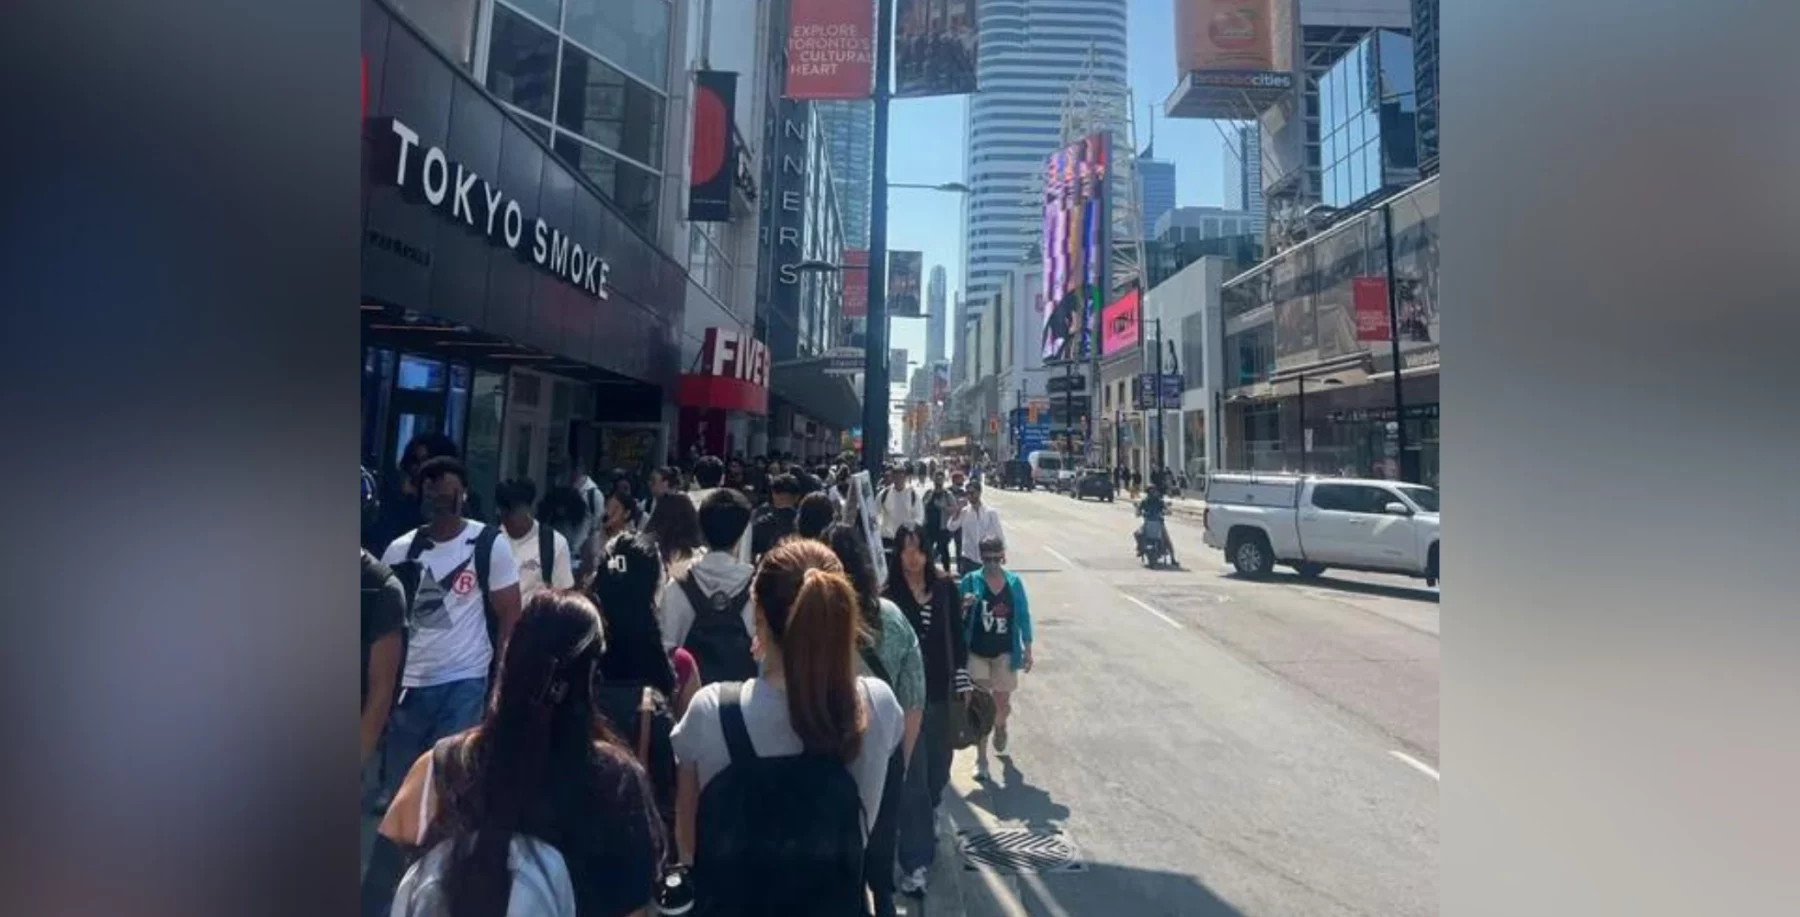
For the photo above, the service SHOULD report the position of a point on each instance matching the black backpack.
(717, 639)
(777, 836)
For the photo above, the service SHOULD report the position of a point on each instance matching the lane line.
(1166, 619)
(1417, 765)
(1058, 555)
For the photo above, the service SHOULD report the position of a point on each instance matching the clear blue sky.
(926, 146)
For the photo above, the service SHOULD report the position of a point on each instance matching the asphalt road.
(1209, 746)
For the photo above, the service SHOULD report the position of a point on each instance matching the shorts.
(993, 674)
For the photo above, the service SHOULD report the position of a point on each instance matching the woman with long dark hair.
(675, 524)
(542, 773)
(889, 651)
(928, 599)
(639, 691)
(806, 715)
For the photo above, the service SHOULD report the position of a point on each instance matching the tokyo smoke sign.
(449, 186)
(830, 49)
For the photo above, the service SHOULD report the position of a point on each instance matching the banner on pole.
(903, 284)
(830, 49)
(713, 155)
(855, 273)
(936, 46)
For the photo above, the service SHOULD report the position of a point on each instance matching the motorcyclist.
(1152, 508)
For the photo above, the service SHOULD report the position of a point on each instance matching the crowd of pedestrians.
(693, 693)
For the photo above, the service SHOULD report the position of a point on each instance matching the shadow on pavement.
(1327, 581)
(1015, 800)
(1107, 889)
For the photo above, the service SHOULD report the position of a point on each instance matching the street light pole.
(1393, 298)
(875, 356)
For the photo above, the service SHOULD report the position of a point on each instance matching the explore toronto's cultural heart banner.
(831, 49)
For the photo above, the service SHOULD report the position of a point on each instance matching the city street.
(1207, 745)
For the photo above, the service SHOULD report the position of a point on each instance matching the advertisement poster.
(903, 284)
(1339, 256)
(630, 447)
(936, 45)
(1119, 324)
(713, 156)
(1075, 215)
(1416, 267)
(1223, 35)
(856, 282)
(830, 49)
(1370, 294)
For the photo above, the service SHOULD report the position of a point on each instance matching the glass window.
(601, 104)
(632, 33)
(522, 63)
(1332, 497)
(458, 402)
(1374, 179)
(1426, 497)
(549, 12)
(631, 189)
(418, 374)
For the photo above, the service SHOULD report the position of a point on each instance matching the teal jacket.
(971, 584)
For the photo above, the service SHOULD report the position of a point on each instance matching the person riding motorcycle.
(1152, 508)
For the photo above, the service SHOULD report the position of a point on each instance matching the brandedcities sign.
(448, 186)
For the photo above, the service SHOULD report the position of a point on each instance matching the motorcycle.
(1153, 547)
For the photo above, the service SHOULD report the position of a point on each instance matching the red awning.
(721, 393)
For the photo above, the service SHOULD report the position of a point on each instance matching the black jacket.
(941, 641)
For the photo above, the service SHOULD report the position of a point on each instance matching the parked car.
(1316, 523)
(1094, 482)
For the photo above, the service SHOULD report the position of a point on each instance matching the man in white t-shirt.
(449, 653)
(976, 522)
(515, 500)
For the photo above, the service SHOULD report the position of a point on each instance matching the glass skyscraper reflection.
(1368, 113)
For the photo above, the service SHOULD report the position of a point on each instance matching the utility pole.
(1157, 399)
(1393, 298)
(875, 355)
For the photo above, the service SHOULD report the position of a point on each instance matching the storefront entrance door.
(525, 448)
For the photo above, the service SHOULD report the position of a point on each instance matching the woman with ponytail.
(774, 768)
(538, 808)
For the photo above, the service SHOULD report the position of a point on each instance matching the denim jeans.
(926, 777)
(417, 722)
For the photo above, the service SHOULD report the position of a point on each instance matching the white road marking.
(1058, 555)
(1417, 765)
(1166, 619)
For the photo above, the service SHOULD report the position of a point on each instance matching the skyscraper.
(1243, 174)
(1031, 51)
(935, 319)
(1156, 189)
(850, 141)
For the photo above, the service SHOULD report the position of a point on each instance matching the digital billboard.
(1075, 216)
(1119, 323)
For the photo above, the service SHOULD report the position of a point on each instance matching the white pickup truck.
(1315, 523)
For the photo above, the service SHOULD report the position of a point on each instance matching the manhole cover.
(1017, 850)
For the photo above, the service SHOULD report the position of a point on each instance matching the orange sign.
(1222, 35)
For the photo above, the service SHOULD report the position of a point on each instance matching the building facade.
(1425, 77)
(1243, 175)
(510, 300)
(1156, 190)
(937, 320)
(849, 130)
(1368, 114)
(1301, 391)
(1193, 224)
(1031, 51)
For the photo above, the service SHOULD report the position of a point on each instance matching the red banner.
(1369, 294)
(856, 282)
(831, 49)
(1119, 324)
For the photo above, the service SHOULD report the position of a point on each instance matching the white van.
(1046, 468)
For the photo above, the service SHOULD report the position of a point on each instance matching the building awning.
(955, 442)
(829, 399)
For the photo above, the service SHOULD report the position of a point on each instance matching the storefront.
(729, 385)
(505, 303)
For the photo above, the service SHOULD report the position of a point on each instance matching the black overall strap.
(731, 720)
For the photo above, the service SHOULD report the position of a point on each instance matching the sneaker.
(913, 883)
(982, 775)
(1000, 739)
